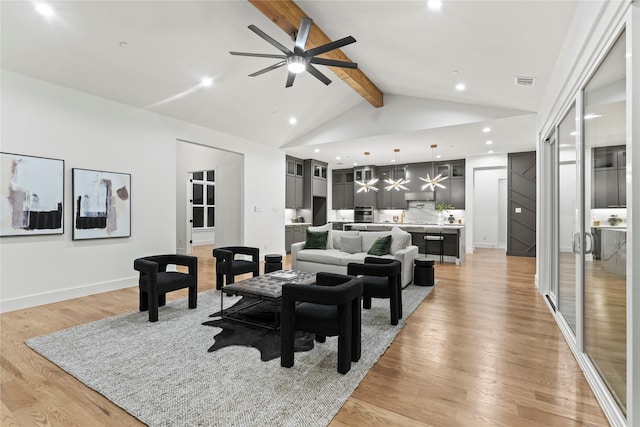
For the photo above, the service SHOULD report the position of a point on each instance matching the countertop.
(609, 226)
(297, 223)
(406, 225)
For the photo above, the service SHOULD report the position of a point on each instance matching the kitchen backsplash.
(417, 213)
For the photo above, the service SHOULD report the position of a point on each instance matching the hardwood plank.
(482, 349)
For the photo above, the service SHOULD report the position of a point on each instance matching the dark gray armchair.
(155, 281)
(331, 307)
(229, 267)
(381, 278)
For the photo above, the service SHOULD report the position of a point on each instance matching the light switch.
(518, 210)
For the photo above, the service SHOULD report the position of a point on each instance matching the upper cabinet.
(391, 199)
(318, 172)
(609, 186)
(294, 186)
(342, 189)
(364, 174)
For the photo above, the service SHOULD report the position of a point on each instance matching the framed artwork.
(101, 204)
(32, 192)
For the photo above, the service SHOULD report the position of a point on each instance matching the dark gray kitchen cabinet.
(294, 233)
(316, 174)
(342, 189)
(364, 174)
(294, 183)
(454, 191)
(609, 186)
(390, 199)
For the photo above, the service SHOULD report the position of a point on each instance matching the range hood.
(428, 196)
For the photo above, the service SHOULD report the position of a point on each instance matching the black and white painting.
(32, 191)
(101, 204)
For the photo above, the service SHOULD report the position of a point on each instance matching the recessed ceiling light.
(44, 9)
(393, 160)
(574, 133)
(355, 163)
(338, 158)
(487, 129)
(435, 4)
(317, 150)
(438, 156)
(490, 151)
(489, 142)
(206, 81)
(293, 120)
(460, 87)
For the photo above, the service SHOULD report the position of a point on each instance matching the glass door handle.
(575, 244)
(589, 247)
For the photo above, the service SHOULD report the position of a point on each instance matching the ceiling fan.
(299, 59)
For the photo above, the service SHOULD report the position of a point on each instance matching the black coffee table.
(266, 290)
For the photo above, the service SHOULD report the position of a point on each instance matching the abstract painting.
(101, 204)
(32, 191)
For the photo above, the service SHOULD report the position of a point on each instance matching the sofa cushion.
(368, 237)
(400, 239)
(327, 227)
(316, 239)
(359, 257)
(380, 246)
(322, 256)
(351, 244)
(336, 236)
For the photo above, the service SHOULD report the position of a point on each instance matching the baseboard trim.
(65, 294)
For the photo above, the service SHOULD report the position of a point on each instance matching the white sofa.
(334, 259)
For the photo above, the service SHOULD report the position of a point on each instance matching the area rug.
(162, 373)
(267, 341)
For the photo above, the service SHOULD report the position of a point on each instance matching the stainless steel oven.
(363, 214)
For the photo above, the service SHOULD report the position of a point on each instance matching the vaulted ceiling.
(153, 55)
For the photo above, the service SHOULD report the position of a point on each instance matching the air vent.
(525, 81)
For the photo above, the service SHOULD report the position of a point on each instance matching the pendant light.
(434, 182)
(398, 183)
(369, 185)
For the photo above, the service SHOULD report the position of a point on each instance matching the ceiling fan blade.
(271, 40)
(317, 74)
(264, 70)
(303, 34)
(333, 63)
(330, 46)
(290, 78)
(259, 55)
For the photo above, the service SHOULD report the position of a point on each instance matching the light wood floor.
(482, 349)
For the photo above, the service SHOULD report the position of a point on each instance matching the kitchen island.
(454, 237)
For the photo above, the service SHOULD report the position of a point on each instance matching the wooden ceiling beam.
(287, 15)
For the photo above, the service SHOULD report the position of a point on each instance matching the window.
(204, 198)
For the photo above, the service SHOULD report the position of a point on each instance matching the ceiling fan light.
(296, 64)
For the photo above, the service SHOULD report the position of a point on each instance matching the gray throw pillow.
(351, 244)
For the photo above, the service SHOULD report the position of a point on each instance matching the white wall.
(43, 119)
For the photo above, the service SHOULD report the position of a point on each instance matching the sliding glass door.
(568, 235)
(605, 214)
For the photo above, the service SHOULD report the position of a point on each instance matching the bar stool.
(423, 272)
(436, 237)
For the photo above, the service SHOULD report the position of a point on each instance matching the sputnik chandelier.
(434, 182)
(398, 183)
(369, 185)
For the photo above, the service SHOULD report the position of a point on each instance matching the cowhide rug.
(267, 341)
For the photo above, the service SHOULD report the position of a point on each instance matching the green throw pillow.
(316, 240)
(380, 246)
